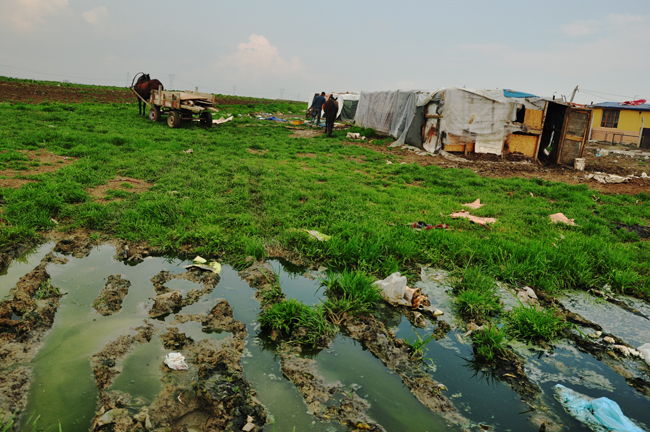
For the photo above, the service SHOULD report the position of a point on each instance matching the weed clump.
(298, 322)
(350, 292)
(490, 343)
(46, 289)
(532, 324)
(476, 297)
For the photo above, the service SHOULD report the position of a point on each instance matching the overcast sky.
(291, 48)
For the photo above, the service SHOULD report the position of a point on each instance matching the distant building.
(617, 123)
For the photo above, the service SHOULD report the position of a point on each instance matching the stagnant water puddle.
(64, 392)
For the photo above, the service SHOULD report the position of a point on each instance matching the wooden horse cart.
(180, 106)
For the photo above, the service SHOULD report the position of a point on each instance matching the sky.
(291, 49)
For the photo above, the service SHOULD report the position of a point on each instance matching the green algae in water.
(22, 265)
(141, 372)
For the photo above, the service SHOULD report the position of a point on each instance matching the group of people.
(331, 108)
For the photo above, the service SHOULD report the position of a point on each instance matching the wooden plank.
(524, 144)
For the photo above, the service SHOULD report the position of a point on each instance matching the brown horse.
(331, 108)
(143, 87)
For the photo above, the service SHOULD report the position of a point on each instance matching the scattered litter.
(272, 118)
(627, 351)
(315, 234)
(388, 162)
(579, 164)
(644, 350)
(222, 120)
(600, 414)
(176, 361)
(559, 217)
(453, 158)
(353, 135)
(214, 266)
(608, 178)
(187, 151)
(395, 292)
(425, 226)
(479, 220)
(476, 204)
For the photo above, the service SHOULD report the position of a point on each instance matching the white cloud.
(580, 28)
(258, 56)
(26, 14)
(97, 15)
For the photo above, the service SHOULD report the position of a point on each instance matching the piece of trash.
(176, 361)
(509, 375)
(476, 204)
(645, 352)
(559, 217)
(394, 291)
(352, 135)
(425, 226)
(531, 194)
(608, 178)
(388, 162)
(187, 151)
(479, 220)
(200, 260)
(222, 120)
(214, 266)
(599, 414)
(579, 164)
(609, 339)
(272, 118)
(54, 221)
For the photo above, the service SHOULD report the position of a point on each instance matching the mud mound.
(109, 300)
(220, 318)
(168, 301)
(78, 246)
(351, 411)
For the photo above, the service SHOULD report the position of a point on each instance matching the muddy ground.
(35, 93)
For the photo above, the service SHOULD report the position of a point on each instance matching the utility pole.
(575, 90)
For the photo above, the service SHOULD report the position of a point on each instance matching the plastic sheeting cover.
(341, 98)
(601, 414)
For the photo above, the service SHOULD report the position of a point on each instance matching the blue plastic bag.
(601, 414)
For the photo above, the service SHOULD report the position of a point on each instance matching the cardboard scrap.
(559, 217)
(479, 220)
(476, 204)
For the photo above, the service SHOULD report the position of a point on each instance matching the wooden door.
(575, 132)
(645, 138)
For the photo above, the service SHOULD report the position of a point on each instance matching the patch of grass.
(126, 185)
(418, 344)
(12, 155)
(46, 289)
(298, 322)
(475, 294)
(532, 324)
(349, 292)
(115, 193)
(489, 342)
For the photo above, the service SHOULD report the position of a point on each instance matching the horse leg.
(139, 106)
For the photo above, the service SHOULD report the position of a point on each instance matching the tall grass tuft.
(532, 324)
(350, 292)
(489, 342)
(298, 322)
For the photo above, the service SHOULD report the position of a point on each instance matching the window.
(610, 118)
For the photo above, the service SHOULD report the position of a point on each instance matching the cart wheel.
(206, 119)
(174, 119)
(154, 113)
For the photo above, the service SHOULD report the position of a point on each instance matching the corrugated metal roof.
(615, 105)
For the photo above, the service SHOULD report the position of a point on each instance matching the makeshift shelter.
(348, 102)
(480, 121)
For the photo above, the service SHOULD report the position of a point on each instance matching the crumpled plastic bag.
(176, 361)
(393, 290)
(645, 352)
(601, 414)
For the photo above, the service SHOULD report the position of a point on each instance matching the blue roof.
(615, 105)
(517, 94)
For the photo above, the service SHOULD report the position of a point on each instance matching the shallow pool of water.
(64, 391)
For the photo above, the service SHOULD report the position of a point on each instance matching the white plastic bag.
(176, 361)
(393, 289)
(645, 351)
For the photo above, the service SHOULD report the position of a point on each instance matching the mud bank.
(25, 317)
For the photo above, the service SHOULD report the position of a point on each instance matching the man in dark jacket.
(316, 107)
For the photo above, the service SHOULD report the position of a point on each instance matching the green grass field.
(249, 185)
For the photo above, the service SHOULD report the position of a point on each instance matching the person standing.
(316, 107)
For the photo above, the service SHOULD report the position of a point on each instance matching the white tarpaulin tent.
(487, 116)
(342, 98)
